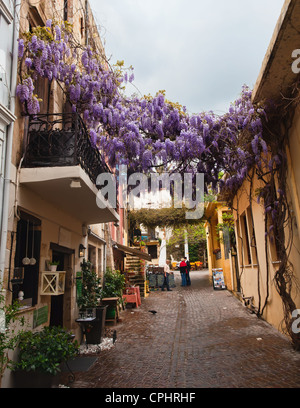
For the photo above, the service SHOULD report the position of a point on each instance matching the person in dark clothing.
(188, 266)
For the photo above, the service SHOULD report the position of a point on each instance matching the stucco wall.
(253, 275)
(214, 240)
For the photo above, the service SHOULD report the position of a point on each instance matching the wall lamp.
(81, 251)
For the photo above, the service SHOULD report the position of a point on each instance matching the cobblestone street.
(199, 338)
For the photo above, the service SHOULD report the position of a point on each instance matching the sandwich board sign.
(218, 279)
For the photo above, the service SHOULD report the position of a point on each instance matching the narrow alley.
(199, 338)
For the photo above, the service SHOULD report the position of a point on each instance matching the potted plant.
(114, 283)
(53, 266)
(89, 305)
(41, 355)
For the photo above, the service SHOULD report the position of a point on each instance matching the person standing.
(166, 277)
(183, 271)
(188, 266)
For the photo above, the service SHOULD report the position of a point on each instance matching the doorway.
(61, 305)
(57, 302)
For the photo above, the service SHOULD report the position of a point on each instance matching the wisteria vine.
(149, 133)
(142, 133)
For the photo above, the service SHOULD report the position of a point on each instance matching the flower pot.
(34, 379)
(53, 268)
(94, 330)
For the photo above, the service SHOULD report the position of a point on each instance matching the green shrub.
(91, 291)
(114, 283)
(45, 350)
(9, 334)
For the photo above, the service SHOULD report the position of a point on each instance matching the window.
(28, 242)
(245, 240)
(152, 250)
(273, 241)
(92, 255)
(252, 237)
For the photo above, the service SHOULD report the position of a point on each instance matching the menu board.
(218, 279)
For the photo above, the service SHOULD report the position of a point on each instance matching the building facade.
(260, 255)
(220, 244)
(52, 214)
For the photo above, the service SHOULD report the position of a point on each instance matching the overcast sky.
(200, 51)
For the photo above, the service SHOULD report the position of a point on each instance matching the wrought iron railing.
(62, 140)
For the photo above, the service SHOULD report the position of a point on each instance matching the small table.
(112, 304)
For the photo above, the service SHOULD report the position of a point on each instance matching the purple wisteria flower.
(21, 48)
(22, 92)
(28, 62)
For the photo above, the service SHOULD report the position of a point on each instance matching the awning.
(132, 251)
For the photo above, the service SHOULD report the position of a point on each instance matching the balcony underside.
(53, 184)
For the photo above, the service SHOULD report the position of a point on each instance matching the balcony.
(61, 165)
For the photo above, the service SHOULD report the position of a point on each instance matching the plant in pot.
(53, 266)
(114, 283)
(41, 355)
(89, 305)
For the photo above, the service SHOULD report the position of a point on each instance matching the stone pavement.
(199, 338)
